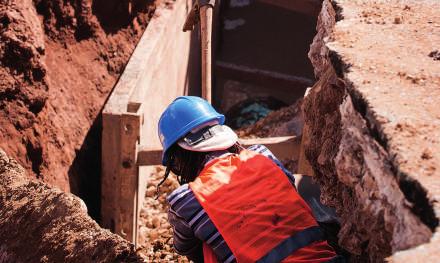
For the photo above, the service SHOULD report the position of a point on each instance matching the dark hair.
(186, 165)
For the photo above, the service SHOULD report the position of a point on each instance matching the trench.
(261, 71)
(260, 68)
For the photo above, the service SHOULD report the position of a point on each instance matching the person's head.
(189, 130)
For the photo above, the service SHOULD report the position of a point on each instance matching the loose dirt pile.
(58, 62)
(43, 224)
(287, 121)
(156, 234)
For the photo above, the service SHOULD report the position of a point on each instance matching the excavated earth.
(58, 62)
(373, 125)
(43, 224)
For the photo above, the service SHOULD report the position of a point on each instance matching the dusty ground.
(156, 234)
(58, 62)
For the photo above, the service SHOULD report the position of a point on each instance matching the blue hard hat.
(181, 116)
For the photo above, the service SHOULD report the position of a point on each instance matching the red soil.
(58, 62)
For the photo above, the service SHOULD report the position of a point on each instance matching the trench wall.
(44, 224)
(370, 129)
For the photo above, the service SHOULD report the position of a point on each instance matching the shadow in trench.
(85, 171)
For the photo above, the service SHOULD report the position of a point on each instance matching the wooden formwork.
(157, 72)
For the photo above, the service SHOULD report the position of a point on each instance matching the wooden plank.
(168, 72)
(110, 170)
(286, 147)
(128, 173)
(260, 77)
(163, 53)
(149, 156)
(307, 7)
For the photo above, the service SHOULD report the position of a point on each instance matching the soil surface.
(58, 62)
(400, 91)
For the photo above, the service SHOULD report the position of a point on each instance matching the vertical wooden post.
(110, 169)
(206, 13)
(128, 173)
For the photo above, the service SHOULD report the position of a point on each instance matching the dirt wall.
(360, 146)
(43, 224)
(59, 60)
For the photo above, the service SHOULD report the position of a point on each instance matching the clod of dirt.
(435, 55)
(40, 223)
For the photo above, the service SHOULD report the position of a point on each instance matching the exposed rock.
(42, 224)
(371, 129)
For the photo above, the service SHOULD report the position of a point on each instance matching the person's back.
(258, 212)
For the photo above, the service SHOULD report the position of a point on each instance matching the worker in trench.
(234, 204)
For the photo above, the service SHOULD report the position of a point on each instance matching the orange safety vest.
(257, 211)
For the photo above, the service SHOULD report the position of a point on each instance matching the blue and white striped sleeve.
(184, 240)
(192, 226)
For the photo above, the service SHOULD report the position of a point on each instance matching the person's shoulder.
(178, 193)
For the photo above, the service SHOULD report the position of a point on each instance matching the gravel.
(156, 234)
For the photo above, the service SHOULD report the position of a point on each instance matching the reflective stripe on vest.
(257, 211)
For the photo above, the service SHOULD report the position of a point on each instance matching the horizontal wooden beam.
(260, 77)
(287, 147)
(149, 156)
